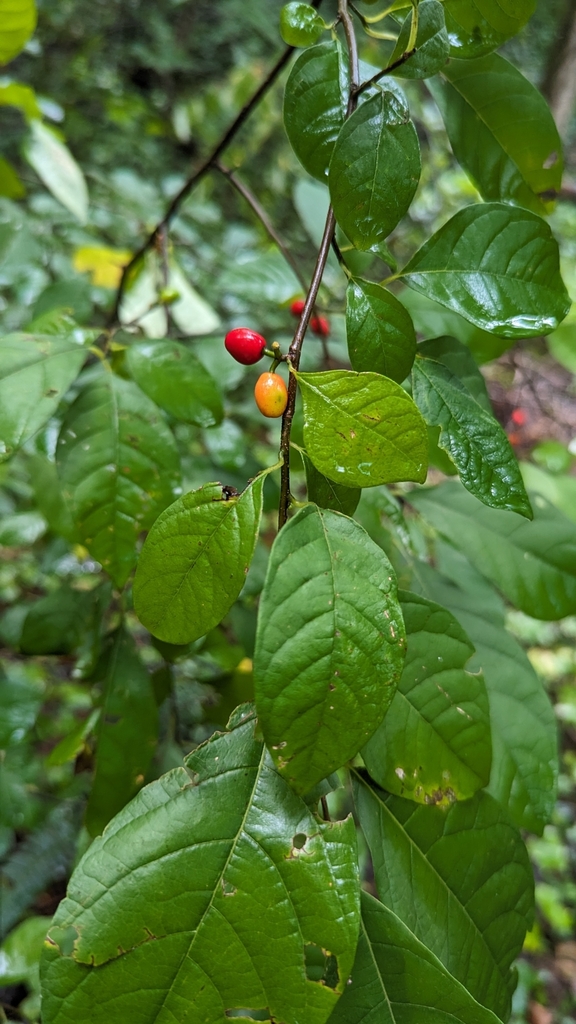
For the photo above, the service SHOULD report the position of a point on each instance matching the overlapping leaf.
(460, 879)
(326, 493)
(57, 169)
(329, 647)
(194, 562)
(476, 27)
(173, 377)
(207, 896)
(496, 265)
(459, 359)
(380, 332)
(434, 744)
(315, 105)
(119, 468)
(432, 43)
(361, 429)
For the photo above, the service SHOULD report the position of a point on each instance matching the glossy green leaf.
(432, 42)
(434, 744)
(17, 23)
(35, 373)
(380, 332)
(194, 562)
(361, 429)
(126, 735)
(315, 105)
(459, 878)
(48, 495)
(397, 980)
(432, 320)
(57, 169)
(497, 266)
(173, 377)
(459, 359)
(533, 564)
(471, 436)
(329, 647)
(522, 721)
(374, 170)
(326, 493)
(476, 27)
(119, 468)
(501, 130)
(300, 25)
(251, 885)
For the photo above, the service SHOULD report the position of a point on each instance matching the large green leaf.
(127, 733)
(57, 169)
(194, 562)
(380, 332)
(476, 27)
(329, 647)
(374, 170)
(397, 980)
(496, 265)
(432, 320)
(432, 42)
(459, 359)
(459, 878)
(173, 377)
(17, 23)
(119, 468)
(361, 429)
(471, 436)
(326, 493)
(207, 895)
(315, 104)
(522, 721)
(35, 373)
(501, 130)
(533, 564)
(434, 744)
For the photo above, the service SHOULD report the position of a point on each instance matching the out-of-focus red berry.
(244, 345)
(297, 307)
(320, 326)
(519, 417)
(514, 438)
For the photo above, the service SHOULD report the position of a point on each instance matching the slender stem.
(386, 71)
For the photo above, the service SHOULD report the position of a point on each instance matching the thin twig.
(386, 71)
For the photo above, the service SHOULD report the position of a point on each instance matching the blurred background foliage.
(139, 91)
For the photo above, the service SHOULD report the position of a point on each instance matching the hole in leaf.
(228, 889)
(249, 1014)
(299, 840)
(321, 966)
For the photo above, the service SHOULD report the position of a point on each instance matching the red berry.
(320, 326)
(244, 345)
(518, 417)
(271, 395)
(297, 307)
(514, 439)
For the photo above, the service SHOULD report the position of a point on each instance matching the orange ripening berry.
(271, 395)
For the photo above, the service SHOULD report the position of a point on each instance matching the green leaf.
(471, 436)
(315, 105)
(329, 647)
(57, 622)
(397, 980)
(48, 496)
(71, 745)
(459, 359)
(374, 170)
(10, 184)
(432, 43)
(476, 27)
(20, 952)
(562, 345)
(498, 267)
(173, 377)
(361, 429)
(126, 735)
(432, 320)
(380, 331)
(21, 529)
(522, 721)
(191, 313)
(13, 94)
(326, 493)
(17, 23)
(300, 25)
(434, 744)
(459, 878)
(558, 489)
(205, 896)
(35, 373)
(57, 169)
(119, 468)
(533, 564)
(501, 130)
(21, 696)
(194, 562)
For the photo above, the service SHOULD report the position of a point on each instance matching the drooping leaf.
(497, 266)
(459, 878)
(434, 744)
(315, 104)
(471, 436)
(522, 721)
(119, 468)
(17, 23)
(326, 493)
(533, 564)
(476, 27)
(380, 332)
(35, 373)
(432, 42)
(253, 886)
(57, 169)
(397, 980)
(501, 130)
(127, 733)
(329, 647)
(361, 429)
(459, 359)
(173, 377)
(194, 562)
(374, 170)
